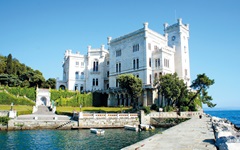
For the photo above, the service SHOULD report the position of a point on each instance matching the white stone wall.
(171, 49)
(178, 36)
(83, 64)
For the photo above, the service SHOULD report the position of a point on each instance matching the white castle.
(143, 53)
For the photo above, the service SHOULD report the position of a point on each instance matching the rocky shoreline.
(227, 135)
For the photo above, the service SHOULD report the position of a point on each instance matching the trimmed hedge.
(22, 91)
(69, 98)
(7, 99)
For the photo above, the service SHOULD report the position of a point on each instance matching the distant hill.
(14, 73)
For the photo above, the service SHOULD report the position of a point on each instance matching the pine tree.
(9, 68)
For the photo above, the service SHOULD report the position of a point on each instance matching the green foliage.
(132, 84)
(172, 88)
(22, 91)
(168, 108)
(9, 69)
(50, 83)
(4, 120)
(13, 74)
(56, 94)
(154, 107)
(7, 99)
(70, 98)
(146, 109)
(184, 108)
(201, 84)
(26, 112)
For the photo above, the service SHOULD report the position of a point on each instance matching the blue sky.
(37, 33)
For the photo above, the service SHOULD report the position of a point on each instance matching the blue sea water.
(113, 139)
(231, 115)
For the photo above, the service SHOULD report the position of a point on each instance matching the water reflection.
(71, 139)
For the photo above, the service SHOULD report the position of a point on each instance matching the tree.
(201, 84)
(172, 88)
(50, 83)
(133, 86)
(2, 64)
(9, 68)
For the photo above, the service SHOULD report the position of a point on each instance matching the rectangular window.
(150, 78)
(97, 82)
(118, 53)
(166, 62)
(158, 62)
(185, 72)
(119, 65)
(155, 63)
(77, 63)
(155, 47)
(82, 64)
(116, 82)
(149, 46)
(116, 67)
(135, 47)
(133, 63)
(108, 74)
(150, 63)
(107, 62)
(137, 63)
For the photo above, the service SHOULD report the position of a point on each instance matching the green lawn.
(16, 107)
(69, 109)
(94, 109)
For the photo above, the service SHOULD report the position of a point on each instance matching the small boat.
(146, 127)
(131, 127)
(97, 131)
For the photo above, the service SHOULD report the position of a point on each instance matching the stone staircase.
(43, 110)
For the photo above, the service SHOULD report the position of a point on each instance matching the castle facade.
(143, 53)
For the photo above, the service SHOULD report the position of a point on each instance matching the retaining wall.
(107, 120)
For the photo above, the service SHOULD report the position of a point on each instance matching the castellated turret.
(178, 36)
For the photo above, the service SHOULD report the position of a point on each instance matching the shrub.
(146, 109)
(168, 109)
(7, 99)
(4, 120)
(154, 107)
(184, 108)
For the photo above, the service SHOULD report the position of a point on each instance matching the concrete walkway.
(194, 134)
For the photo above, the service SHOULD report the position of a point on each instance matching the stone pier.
(194, 134)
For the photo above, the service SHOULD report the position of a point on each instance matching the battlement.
(176, 25)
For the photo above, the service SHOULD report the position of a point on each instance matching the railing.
(175, 114)
(105, 115)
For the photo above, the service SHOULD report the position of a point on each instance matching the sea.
(113, 139)
(231, 115)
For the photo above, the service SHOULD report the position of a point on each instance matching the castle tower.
(178, 36)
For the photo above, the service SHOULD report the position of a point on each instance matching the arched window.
(82, 75)
(77, 75)
(93, 82)
(95, 65)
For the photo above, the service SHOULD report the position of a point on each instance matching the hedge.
(70, 98)
(22, 91)
(7, 99)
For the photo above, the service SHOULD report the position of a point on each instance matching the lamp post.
(11, 106)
